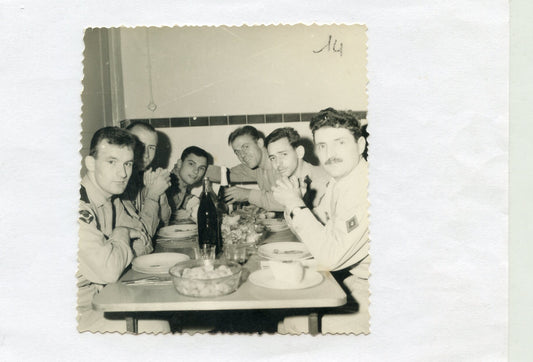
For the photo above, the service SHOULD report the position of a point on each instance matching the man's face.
(283, 156)
(192, 169)
(111, 168)
(248, 150)
(338, 151)
(149, 141)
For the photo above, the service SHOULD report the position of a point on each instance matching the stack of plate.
(182, 231)
(284, 251)
(157, 263)
(275, 225)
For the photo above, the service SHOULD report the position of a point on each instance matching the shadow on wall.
(309, 147)
(163, 151)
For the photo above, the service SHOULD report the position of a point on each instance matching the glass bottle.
(208, 220)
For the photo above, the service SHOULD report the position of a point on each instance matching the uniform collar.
(303, 170)
(182, 185)
(360, 172)
(93, 192)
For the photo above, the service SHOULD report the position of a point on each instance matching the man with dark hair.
(286, 155)
(248, 144)
(111, 233)
(336, 232)
(146, 190)
(187, 172)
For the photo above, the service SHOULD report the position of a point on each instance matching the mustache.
(333, 160)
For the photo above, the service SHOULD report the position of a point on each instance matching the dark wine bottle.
(208, 220)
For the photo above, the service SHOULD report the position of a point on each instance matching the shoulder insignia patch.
(351, 224)
(86, 216)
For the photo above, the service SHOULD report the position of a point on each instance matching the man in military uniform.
(111, 233)
(187, 172)
(146, 189)
(248, 144)
(286, 155)
(336, 232)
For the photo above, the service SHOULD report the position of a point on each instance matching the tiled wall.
(228, 120)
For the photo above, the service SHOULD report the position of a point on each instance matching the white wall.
(213, 71)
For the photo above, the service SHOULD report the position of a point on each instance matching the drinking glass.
(206, 252)
(236, 252)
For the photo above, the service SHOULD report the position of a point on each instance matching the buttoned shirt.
(336, 232)
(102, 255)
(312, 181)
(263, 175)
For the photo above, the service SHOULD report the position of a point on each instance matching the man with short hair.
(111, 233)
(286, 155)
(336, 232)
(248, 144)
(146, 190)
(187, 172)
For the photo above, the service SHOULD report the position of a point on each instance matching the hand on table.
(287, 192)
(236, 194)
(156, 183)
(139, 241)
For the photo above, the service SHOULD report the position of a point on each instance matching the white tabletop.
(118, 297)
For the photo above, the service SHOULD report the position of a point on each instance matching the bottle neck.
(207, 186)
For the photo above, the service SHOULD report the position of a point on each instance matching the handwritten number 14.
(329, 47)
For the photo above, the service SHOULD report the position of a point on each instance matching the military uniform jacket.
(101, 257)
(338, 236)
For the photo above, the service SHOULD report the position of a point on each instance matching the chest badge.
(351, 224)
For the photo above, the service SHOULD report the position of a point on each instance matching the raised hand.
(156, 182)
(236, 194)
(287, 192)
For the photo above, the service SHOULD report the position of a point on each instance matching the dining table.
(134, 301)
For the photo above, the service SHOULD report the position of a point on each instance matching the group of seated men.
(124, 201)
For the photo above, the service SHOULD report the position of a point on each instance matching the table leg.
(313, 324)
(132, 324)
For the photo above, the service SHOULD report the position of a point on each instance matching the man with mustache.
(336, 232)
(146, 190)
(286, 155)
(111, 233)
(248, 144)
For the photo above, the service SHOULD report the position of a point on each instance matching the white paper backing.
(438, 119)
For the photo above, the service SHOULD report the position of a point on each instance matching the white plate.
(275, 222)
(157, 263)
(177, 235)
(265, 278)
(286, 250)
(277, 228)
(178, 229)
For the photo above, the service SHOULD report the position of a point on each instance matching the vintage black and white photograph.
(224, 176)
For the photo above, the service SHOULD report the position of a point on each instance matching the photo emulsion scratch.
(224, 180)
